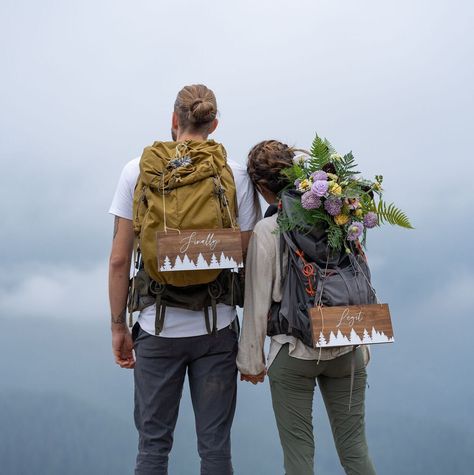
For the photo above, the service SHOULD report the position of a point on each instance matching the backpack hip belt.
(226, 289)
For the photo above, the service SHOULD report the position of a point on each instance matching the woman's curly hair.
(265, 162)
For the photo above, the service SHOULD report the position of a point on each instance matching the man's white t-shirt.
(181, 322)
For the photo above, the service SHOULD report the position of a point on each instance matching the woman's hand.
(253, 378)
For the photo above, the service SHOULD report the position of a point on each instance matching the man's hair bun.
(202, 111)
(196, 106)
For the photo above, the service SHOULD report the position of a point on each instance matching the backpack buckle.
(156, 288)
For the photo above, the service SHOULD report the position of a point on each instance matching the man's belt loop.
(214, 316)
(206, 318)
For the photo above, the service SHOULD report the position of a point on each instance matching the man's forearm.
(118, 292)
(119, 271)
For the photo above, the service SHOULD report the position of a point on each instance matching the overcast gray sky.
(86, 85)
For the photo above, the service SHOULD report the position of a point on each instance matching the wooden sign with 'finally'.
(199, 249)
(351, 325)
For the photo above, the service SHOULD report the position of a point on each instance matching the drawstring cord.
(319, 305)
(164, 206)
(225, 202)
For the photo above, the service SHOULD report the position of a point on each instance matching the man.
(183, 343)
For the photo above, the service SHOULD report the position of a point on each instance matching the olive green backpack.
(182, 185)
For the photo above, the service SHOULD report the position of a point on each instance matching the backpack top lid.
(161, 164)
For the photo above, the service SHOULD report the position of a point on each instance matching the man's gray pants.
(160, 369)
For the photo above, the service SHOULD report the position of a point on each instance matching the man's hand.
(254, 379)
(122, 346)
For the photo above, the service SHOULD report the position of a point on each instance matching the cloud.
(86, 93)
(99, 96)
(67, 293)
(452, 301)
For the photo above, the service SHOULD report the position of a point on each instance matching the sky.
(85, 86)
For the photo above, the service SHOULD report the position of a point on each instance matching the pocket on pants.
(341, 366)
(135, 331)
(227, 340)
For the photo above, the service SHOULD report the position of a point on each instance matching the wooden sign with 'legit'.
(199, 249)
(351, 325)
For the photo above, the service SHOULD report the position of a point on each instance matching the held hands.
(122, 347)
(254, 379)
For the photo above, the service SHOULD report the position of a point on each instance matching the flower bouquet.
(335, 197)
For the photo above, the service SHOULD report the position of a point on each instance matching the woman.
(294, 368)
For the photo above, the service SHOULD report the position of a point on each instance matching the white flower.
(301, 159)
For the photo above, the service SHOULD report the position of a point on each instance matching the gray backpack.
(315, 275)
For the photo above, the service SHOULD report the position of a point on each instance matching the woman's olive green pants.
(292, 383)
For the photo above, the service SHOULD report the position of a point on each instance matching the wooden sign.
(199, 249)
(351, 325)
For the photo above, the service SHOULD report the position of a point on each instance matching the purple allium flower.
(319, 175)
(333, 206)
(320, 187)
(310, 201)
(370, 220)
(297, 182)
(354, 230)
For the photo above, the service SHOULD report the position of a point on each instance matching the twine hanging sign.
(199, 249)
(351, 325)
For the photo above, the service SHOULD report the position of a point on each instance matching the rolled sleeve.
(260, 274)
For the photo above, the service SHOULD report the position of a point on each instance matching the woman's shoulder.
(266, 227)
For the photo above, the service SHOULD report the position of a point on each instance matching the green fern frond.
(321, 150)
(345, 167)
(392, 215)
(335, 236)
(293, 173)
(367, 203)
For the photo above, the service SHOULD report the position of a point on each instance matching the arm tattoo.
(120, 319)
(116, 223)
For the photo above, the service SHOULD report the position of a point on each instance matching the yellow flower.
(341, 219)
(335, 157)
(336, 189)
(305, 185)
(358, 212)
(333, 176)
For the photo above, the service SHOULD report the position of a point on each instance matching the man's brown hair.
(196, 107)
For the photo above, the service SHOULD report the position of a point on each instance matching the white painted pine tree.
(201, 262)
(322, 341)
(354, 338)
(223, 261)
(332, 339)
(178, 263)
(366, 337)
(188, 264)
(341, 339)
(232, 263)
(214, 262)
(166, 265)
